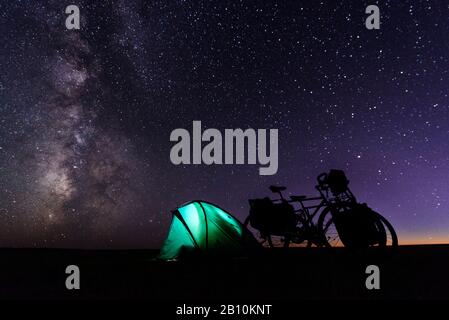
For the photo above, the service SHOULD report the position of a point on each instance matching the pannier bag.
(358, 226)
(272, 218)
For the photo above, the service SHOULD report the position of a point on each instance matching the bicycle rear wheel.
(274, 241)
(266, 239)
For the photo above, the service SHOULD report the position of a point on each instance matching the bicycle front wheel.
(326, 227)
(390, 237)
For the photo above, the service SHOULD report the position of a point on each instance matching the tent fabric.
(202, 226)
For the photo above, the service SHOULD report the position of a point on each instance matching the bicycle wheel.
(386, 234)
(298, 240)
(307, 237)
(390, 236)
(293, 241)
(275, 241)
(268, 240)
(327, 227)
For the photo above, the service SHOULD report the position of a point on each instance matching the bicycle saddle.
(298, 198)
(277, 188)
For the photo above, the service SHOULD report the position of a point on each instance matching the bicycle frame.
(326, 198)
(304, 214)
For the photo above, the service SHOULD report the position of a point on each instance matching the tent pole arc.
(179, 216)
(207, 227)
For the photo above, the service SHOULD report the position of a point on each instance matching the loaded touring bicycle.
(334, 218)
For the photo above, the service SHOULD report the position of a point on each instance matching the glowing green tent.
(202, 226)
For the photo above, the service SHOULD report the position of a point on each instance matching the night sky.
(86, 116)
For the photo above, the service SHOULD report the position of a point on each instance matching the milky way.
(78, 173)
(86, 115)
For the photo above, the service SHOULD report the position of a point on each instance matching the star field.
(85, 116)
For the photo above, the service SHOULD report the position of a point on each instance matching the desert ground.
(410, 272)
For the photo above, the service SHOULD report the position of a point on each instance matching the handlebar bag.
(337, 181)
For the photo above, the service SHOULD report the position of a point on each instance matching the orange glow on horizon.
(417, 240)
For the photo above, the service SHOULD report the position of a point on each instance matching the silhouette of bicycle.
(342, 221)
